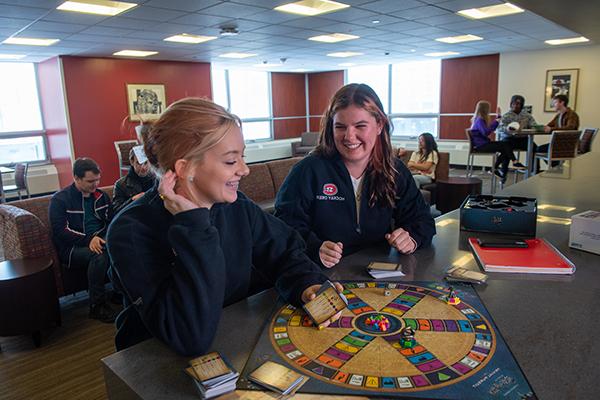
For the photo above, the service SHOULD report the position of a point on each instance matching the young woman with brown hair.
(194, 244)
(352, 191)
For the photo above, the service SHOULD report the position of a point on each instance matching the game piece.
(452, 298)
(326, 304)
(387, 293)
(378, 322)
(407, 339)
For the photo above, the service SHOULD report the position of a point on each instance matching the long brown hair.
(482, 109)
(186, 130)
(380, 170)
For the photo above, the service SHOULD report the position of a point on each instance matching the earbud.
(191, 178)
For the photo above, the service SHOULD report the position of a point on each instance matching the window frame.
(33, 133)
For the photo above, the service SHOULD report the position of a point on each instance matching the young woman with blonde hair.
(194, 244)
(352, 191)
(482, 125)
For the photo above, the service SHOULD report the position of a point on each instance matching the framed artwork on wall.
(561, 81)
(146, 101)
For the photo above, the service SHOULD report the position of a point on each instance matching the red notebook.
(539, 258)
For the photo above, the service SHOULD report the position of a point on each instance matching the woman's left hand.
(401, 241)
(311, 292)
(173, 202)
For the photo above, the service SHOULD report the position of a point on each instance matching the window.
(245, 93)
(21, 129)
(416, 97)
(377, 77)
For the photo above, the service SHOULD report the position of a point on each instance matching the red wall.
(97, 100)
(289, 100)
(55, 118)
(464, 82)
(321, 87)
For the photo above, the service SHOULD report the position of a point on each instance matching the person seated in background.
(345, 194)
(79, 216)
(193, 244)
(481, 127)
(565, 120)
(514, 120)
(422, 163)
(132, 186)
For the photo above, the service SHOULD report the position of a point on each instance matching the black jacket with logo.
(317, 199)
(67, 219)
(130, 185)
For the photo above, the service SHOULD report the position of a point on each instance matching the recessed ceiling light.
(491, 11)
(300, 70)
(12, 56)
(346, 64)
(459, 39)
(556, 42)
(333, 37)
(237, 55)
(311, 7)
(344, 54)
(101, 7)
(30, 41)
(135, 53)
(375, 21)
(186, 38)
(442, 54)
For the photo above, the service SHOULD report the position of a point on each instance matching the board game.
(457, 352)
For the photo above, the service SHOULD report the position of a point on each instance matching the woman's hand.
(174, 202)
(311, 292)
(330, 253)
(401, 241)
(498, 112)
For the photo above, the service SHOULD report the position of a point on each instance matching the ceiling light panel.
(99, 7)
(237, 55)
(556, 42)
(135, 53)
(344, 54)
(311, 7)
(191, 39)
(12, 56)
(333, 38)
(442, 54)
(459, 39)
(491, 11)
(30, 41)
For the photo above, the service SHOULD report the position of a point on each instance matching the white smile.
(233, 184)
(352, 146)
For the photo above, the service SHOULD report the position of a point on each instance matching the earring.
(190, 178)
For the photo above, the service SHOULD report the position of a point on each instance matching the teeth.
(233, 184)
(352, 146)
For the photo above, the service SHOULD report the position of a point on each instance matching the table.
(549, 322)
(451, 192)
(28, 299)
(530, 133)
(3, 170)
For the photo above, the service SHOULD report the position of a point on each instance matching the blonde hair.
(482, 109)
(186, 130)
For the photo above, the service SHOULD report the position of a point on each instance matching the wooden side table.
(28, 299)
(451, 192)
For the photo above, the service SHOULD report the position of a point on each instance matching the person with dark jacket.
(132, 186)
(352, 192)
(193, 244)
(79, 217)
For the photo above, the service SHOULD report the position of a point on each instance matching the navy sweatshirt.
(180, 271)
(317, 199)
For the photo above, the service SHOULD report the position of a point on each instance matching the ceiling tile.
(232, 10)
(405, 26)
(106, 31)
(244, 25)
(182, 5)
(8, 11)
(421, 12)
(457, 5)
(272, 17)
(153, 14)
(389, 6)
(200, 19)
(441, 19)
(57, 27)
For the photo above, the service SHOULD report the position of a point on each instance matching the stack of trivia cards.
(212, 374)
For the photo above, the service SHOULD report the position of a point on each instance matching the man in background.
(515, 119)
(564, 120)
(138, 180)
(79, 217)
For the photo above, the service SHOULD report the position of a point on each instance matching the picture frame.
(146, 101)
(561, 81)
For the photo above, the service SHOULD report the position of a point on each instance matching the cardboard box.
(498, 214)
(585, 231)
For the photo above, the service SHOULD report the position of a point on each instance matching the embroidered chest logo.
(329, 189)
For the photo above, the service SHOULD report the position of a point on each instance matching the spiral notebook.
(540, 257)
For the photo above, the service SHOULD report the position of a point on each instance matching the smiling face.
(355, 133)
(217, 176)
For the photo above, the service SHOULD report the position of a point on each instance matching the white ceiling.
(406, 31)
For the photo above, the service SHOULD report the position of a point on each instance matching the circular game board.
(453, 342)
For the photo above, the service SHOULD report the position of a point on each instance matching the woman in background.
(352, 191)
(422, 163)
(482, 126)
